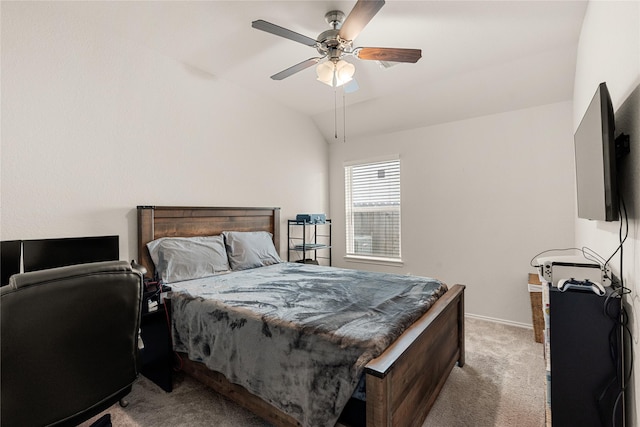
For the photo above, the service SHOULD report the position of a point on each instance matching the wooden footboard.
(402, 383)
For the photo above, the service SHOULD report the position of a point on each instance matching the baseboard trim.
(495, 320)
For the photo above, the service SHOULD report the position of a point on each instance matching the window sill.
(372, 260)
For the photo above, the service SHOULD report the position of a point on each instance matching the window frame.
(349, 227)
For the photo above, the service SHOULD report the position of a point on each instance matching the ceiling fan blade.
(295, 68)
(282, 32)
(359, 17)
(388, 54)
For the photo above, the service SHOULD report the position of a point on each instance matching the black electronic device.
(41, 254)
(595, 156)
(10, 251)
(585, 347)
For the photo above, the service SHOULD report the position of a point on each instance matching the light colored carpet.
(502, 384)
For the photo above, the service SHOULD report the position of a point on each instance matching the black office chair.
(69, 342)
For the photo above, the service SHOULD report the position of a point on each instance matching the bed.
(402, 383)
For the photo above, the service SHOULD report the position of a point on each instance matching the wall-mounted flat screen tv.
(49, 253)
(596, 160)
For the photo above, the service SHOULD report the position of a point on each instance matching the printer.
(553, 269)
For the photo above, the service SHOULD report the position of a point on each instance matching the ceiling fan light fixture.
(344, 72)
(325, 71)
(337, 41)
(335, 74)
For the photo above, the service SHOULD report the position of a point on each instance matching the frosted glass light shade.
(335, 74)
(325, 71)
(344, 72)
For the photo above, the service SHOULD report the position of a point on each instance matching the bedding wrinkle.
(297, 335)
(265, 330)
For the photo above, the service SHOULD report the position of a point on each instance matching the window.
(372, 205)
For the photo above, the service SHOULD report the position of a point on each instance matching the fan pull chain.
(344, 117)
(335, 113)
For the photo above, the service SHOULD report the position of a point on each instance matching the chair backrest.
(69, 339)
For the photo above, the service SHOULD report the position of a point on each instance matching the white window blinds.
(372, 205)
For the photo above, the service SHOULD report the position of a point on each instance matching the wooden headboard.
(188, 221)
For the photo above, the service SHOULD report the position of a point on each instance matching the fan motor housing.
(329, 38)
(335, 18)
(329, 42)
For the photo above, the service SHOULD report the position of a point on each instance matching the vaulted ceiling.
(478, 57)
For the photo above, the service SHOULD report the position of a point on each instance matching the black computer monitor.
(9, 259)
(49, 253)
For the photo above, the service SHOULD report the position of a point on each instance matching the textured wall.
(93, 125)
(609, 51)
(480, 198)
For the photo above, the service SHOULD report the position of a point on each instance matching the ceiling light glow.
(335, 74)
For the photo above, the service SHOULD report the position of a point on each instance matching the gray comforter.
(297, 335)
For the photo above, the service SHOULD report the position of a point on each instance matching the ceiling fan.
(337, 42)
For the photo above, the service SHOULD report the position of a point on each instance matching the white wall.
(480, 198)
(609, 51)
(93, 125)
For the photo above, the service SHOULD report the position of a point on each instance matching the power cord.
(620, 319)
(587, 253)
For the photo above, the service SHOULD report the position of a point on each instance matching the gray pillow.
(250, 249)
(185, 258)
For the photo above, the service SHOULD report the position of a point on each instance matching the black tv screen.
(596, 160)
(10, 259)
(49, 253)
